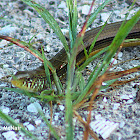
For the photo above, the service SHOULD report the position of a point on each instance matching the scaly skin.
(35, 80)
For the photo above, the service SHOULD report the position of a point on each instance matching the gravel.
(22, 22)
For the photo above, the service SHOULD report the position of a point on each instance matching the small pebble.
(5, 66)
(8, 30)
(26, 123)
(125, 97)
(122, 123)
(5, 110)
(28, 12)
(2, 85)
(105, 16)
(114, 61)
(105, 99)
(85, 9)
(104, 84)
(3, 43)
(56, 117)
(33, 107)
(48, 48)
(38, 122)
(39, 36)
(98, 117)
(29, 126)
(116, 106)
(62, 5)
(130, 101)
(9, 135)
(120, 54)
(61, 107)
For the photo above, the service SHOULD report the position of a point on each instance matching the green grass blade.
(17, 90)
(96, 12)
(50, 20)
(48, 124)
(92, 74)
(71, 67)
(108, 83)
(57, 82)
(94, 41)
(46, 69)
(75, 16)
(78, 80)
(72, 7)
(120, 36)
(13, 123)
(81, 82)
(82, 67)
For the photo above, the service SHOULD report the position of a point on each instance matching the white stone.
(30, 127)
(117, 12)
(126, 97)
(48, 48)
(120, 54)
(33, 107)
(131, 96)
(105, 16)
(3, 43)
(114, 61)
(55, 117)
(85, 9)
(62, 5)
(104, 99)
(2, 85)
(8, 30)
(5, 110)
(116, 105)
(26, 123)
(98, 117)
(104, 84)
(38, 122)
(61, 107)
(65, 31)
(102, 106)
(130, 101)
(28, 12)
(122, 124)
(9, 135)
(5, 66)
(39, 36)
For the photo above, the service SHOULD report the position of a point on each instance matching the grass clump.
(77, 91)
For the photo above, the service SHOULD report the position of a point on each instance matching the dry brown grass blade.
(115, 75)
(91, 132)
(80, 104)
(20, 44)
(137, 58)
(109, 76)
(119, 83)
(96, 86)
(84, 105)
(51, 117)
